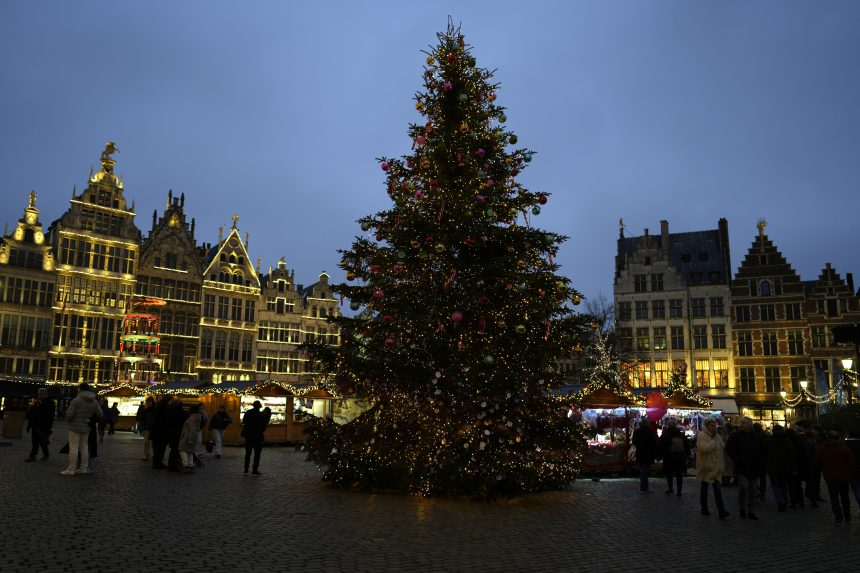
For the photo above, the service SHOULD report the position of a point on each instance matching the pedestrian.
(175, 421)
(709, 466)
(795, 483)
(729, 478)
(83, 409)
(812, 491)
(781, 466)
(853, 443)
(646, 445)
(40, 420)
(762, 467)
(836, 462)
(103, 419)
(219, 422)
(676, 449)
(145, 419)
(159, 433)
(746, 449)
(113, 418)
(188, 439)
(198, 449)
(254, 424)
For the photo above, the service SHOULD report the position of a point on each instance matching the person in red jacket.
(836, 461)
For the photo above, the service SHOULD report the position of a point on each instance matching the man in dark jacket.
(254, 424)
(159, 433)
(747, 452)
(217, 425)
(676, 449)
(781, 466)
(645, 441)
(836, 462)
(40, 420)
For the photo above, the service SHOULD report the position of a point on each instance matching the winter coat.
(854, 445)
(254, 424)
(709, 457)
(747, 450)
(114, 414)
(674, 461)
(41, 415)
(781, 459)
(188, 439)
(220, 421)
(175, 421)
(145, 418)
(835, 460)
(646, 445)
(158, 430)
(82, 408)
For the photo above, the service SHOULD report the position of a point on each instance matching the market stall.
(610, 415)
(128, 399)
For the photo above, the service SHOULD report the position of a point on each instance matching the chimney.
(664, 237)
(849, 278)
(723, 230)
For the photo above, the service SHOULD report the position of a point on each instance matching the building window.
(742, 314)
(703, 373)
(798, 373)
(660, 338)
(792, 311)
(747, 379)
(641, 309)
(718, 335)
(676, 308)
(624, 311)
(700, 336)
(643, 374)
(677, 338)
(642, 339)
(771, 379)
(657, 282)
(625, 339)
(721, 373)
(658, 308)
(764, 288)
(250, 306)
(223, 307)
(206, 344)
(661, 372)
(717, 306)
(697, 307)
(236, 310)
(640, 283)
(768, 343)
(766, 312)
(795, 342)
(822, 373)
(819, 337)
(220, 345)
(209, 305)
(745, 344)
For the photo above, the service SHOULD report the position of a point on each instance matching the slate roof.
(690, 253)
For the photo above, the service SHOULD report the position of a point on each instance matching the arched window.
(764, 288)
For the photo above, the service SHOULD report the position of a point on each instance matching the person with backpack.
(82, 410)
(676, 451)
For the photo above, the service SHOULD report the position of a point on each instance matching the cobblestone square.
(128, 517)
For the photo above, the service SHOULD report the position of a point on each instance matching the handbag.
(631, 453)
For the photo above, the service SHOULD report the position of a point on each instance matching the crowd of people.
(168, 428)
(794, 459)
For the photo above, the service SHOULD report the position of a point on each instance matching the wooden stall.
(611, 416)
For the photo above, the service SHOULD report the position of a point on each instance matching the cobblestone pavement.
(128, 517)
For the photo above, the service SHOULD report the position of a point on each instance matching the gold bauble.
(464, 126)
(430, 60)
(414, 243)
(576, 299)
(350, 276)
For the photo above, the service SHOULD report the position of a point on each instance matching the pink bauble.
(378, 294)
(480, 152)
(420, 140)
(479, 198)
(384, 166)
(447, 86)
(419, 194)
(389, 342)
(456, 316)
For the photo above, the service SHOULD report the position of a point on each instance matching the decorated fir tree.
(467, 319)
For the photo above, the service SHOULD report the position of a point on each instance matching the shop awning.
(726, 405)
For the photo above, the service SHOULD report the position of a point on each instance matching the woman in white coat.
(709, 466)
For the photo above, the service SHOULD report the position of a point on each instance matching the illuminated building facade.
(96, 245)
(27, 282)
(672, 306)
(228, 323)
(171, 270)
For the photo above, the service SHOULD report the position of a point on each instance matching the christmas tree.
(465, 317)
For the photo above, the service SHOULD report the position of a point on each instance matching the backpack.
(677, 445)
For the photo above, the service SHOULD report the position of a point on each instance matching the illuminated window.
(661, 373)
(703, 373)
(721, 373)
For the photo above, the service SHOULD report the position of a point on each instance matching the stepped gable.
(765, 271)
(172, 233)
(829, 282)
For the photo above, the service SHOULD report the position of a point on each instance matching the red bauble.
(378, 294)
(542, 199)
(387, 318)
(389, 342)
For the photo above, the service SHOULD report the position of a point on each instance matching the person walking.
(175, 422)
(254, 424)
(145, 420)
(219, 422)
(103, 419)
(188, 439)
(82, 409)
(762, 466)
(709, 466)
(676, 449)
(159, 433)
(836, 462)
(781, 466)
(795, 483)
(40, 420)
(746, 449)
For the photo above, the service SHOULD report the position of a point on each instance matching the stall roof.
(726, 405)
(604, 398)
(179, 385)
(679, 400)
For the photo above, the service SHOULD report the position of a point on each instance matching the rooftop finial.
(762, 225)
(32, 199)
(107, 161)
(235, 220)
(621, 226)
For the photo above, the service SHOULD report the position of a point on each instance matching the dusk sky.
(681, 110)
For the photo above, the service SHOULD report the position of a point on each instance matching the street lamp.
(804, 397)
(848, 384)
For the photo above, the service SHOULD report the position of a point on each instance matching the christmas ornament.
(535, 210)
(521, 329)
(354, 305)
(365, 226)
(503, 118)
(447, 86)
(462, 97)
(350, 276)
(576, 299)
(439, 248)
(489, 360)
(512, 139)
(456, 316)
(378, 294)
(389, 342)
(420, 140)
(542, 199)
(384, 166)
